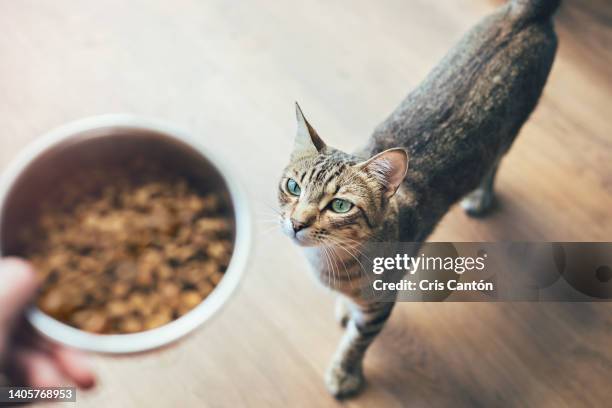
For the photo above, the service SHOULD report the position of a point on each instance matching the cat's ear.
(307, 141)
(388, 167)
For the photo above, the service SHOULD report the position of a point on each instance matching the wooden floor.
(230, 71)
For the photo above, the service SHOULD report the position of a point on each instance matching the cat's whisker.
(273, 208)
(328, 268)
(366, 237)
(271, 220)
(358, 252)
(332, 266)
(327, 251)
(268, 215)
(326, 257)
(335, 262)
(268, 230)
(348, 275)
(369, 287)
(354, 257)
(362, 242)
(339, 241)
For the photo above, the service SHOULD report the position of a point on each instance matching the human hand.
(27, 359)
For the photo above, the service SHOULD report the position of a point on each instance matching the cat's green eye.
(293, 187)
(340, 206)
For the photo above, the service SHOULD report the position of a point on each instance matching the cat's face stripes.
(331, 198)
(310, 218)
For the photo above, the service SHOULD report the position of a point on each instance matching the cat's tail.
(534, 9)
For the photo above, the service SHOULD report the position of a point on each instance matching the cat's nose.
(297, 226)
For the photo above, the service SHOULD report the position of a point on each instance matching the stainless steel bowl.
(110, 140)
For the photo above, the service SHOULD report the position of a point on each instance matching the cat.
(442, 143)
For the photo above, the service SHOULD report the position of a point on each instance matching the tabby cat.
(442, 143)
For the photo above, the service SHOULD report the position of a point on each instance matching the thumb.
(17, 287)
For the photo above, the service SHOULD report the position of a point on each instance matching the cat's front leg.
(342, 311)
(345, 374)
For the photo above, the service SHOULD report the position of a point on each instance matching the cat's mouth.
(302, 237)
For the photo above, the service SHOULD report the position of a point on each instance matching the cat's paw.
(342, 312)
(343, 383)
(478, 203)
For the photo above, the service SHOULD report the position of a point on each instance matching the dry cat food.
(117, 254)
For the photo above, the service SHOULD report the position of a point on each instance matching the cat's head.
(328, 197)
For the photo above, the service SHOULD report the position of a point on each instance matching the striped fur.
(454, 127)
(334, 242)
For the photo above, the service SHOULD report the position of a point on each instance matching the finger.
(26, 336)
(38, 369)
(17, 286)
(75, 366)
(72, 363)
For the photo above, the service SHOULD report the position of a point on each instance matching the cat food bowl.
(106, 144)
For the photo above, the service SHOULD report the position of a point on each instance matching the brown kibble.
(158, 319)
(130, 324)
(209, 268)
(89, 284)
(192, 274)
(194, 203)
(204, 288)
(212, 225)
(216, 250)
(90, 320)
(117, 308)
(126, 270)
(151, 258)
(180, 253)
(169, 289)
(152, 302)
(123, 252)
(51, 302)
(57, 260)
(120, 289)
(190, 299)
(142, 196)
(164, 272)
(216, 278)
(182, 310)
(137, 301)
(91, 265)
(144, 277)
